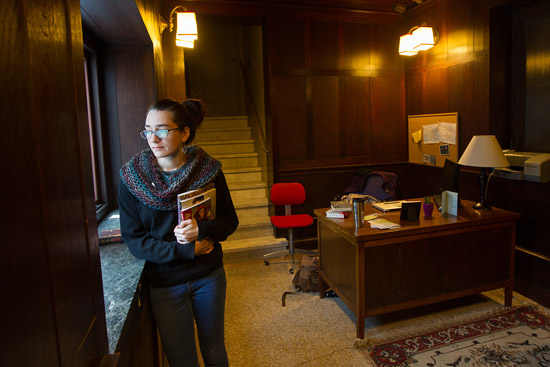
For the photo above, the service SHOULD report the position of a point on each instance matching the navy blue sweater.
(149, 235)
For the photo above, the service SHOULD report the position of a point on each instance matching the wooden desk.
(440, 258)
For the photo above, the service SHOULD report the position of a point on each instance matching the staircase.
(229, 140)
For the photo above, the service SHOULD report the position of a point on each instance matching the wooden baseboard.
(532, 291)
(532, 276)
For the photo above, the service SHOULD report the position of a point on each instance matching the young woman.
(183, 265)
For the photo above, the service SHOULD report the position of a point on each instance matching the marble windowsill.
(121, 272)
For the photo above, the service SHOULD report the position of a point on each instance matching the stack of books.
(339, 209)
(199, 204)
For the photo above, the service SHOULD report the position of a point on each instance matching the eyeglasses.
(161, 134)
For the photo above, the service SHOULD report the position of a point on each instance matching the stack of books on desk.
(341, 205)
(331, 213)
(339, 209)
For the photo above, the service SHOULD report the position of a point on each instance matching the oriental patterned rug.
(507, 337)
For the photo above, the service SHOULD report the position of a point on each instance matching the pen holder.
(428, 209)
(359, 212)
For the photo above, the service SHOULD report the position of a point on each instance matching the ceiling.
(399, 6)
(120, 21)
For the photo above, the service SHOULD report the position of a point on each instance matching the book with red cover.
(331, 213)
(189, 204)
(202, 210)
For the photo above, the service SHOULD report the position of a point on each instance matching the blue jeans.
(175, 308)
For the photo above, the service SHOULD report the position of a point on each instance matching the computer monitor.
(449, 177)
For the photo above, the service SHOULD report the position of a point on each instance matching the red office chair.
(289, 194)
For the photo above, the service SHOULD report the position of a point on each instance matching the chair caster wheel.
(330, 294)
(266, 262)
(291, 271)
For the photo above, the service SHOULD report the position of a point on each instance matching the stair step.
(257, 193)
(237, 133)
(237, 160)
(245, 185)
(252, 212)
(215, 147)
(251, 203)
(224, 121)
(244, 170)
(253, 243)
(257, 221)
(250, 229)
(250, 199)
(235, 251)
(247, 191)
(237, 155)
(251, 207)
(229, 140)
(236, 175)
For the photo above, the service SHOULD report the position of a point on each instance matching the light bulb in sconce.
(186, 31)
(424, 38)
(420, 38)
(406, 45)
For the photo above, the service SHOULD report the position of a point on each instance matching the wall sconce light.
(419, 38)
(186, 32)
(406, 45)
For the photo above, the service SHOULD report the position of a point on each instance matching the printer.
(537, 168)
(531, 166)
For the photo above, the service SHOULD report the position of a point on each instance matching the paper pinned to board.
(442, 132)
(447, 132)
(431, 133)
(417, 136)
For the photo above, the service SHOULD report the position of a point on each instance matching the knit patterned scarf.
(148, 184)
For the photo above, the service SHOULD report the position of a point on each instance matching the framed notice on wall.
(433, 138)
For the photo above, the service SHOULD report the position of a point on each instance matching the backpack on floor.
(306, 278)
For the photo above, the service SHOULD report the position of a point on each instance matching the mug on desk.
(359, 211)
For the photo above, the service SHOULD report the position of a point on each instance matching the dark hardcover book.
(110, 236)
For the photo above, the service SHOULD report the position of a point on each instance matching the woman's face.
(171, 145)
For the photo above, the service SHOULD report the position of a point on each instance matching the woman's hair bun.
(196, 109)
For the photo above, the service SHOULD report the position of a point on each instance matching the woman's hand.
(204, 246)
(187, 231)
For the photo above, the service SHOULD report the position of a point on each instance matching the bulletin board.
(433, 138)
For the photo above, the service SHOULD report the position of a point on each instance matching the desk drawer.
(437, 266)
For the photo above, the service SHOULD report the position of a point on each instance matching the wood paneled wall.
(52, 299)
(336, 92)
(469, 72)
(465, 73)
(133, 73)
(453, 75)
(130, 78)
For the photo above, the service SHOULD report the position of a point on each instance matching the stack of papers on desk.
(381, 223)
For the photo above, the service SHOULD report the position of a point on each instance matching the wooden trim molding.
(272, 8)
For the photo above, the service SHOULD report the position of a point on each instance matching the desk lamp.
(485, 152)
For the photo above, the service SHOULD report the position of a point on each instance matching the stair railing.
(253, 103)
